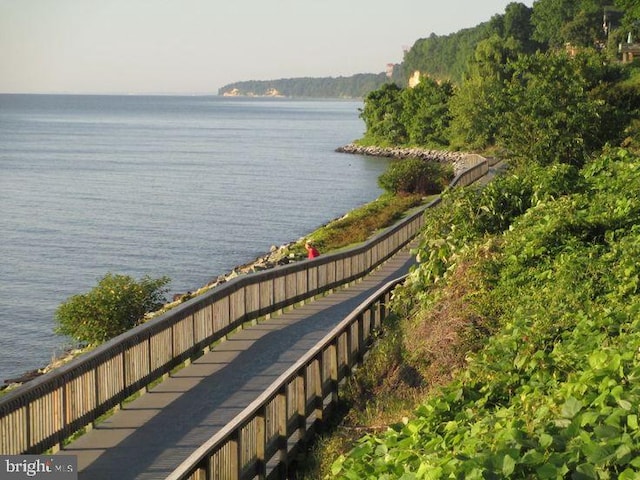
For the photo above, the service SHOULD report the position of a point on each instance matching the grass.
(361, 223)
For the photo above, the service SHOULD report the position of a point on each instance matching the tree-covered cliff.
(547, 24)
(516, 84)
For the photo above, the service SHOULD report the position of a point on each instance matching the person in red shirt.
(312, 252)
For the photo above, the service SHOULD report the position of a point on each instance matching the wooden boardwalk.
(150, 436)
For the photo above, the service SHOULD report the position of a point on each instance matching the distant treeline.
(355, 86)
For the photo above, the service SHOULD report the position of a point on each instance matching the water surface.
(187, 187)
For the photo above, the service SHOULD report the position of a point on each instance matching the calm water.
(187, 187)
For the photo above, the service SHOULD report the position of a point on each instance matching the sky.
(198, 46)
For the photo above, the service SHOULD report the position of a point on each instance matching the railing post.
(318, 401)
(201, 473)
(27, 417)
(376, 315)
(348, 346)
(332, 352)
(261, 442)
(301, 405)
(360, 336)
(283, 434)
(235, 451)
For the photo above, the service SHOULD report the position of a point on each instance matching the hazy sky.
(197, 46)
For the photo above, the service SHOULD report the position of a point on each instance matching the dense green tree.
(631, 10)
(549, 18)
(425, 113)
(414, 175)
(355, 86)
(474, 110)
(115, 305)
(493, 54)
(558, 22)
(478, 104)
(549, 116)
(444, 57)
(382, 114)
(586, 28)
(516, 23)
(616, 91)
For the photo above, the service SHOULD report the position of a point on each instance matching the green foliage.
(467, 215)
(479, 102)
(631, 10)
(474, 111)
(414, 175)
(516, 25)
(549, 116)
(617, 90)
(425, 113)
(558, 22)
(359, 224)
(116, 304)
(414, 116)
(382, 114)
(555, 392)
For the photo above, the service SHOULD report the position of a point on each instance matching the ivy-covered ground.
(550, 387)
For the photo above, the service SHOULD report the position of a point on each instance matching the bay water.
(187, 187)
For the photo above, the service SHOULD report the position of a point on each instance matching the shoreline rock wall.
(459, 160)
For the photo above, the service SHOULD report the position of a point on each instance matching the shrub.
(115, 305)
(415, 176)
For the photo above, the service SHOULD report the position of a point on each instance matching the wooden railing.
(261, 441)
(40, 414)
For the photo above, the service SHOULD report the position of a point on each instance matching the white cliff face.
(234, 92)
(272, 92)
(414, 79)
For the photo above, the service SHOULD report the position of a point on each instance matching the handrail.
(311, 385)
(40, 414)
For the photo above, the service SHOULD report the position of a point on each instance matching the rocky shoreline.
(277, 256)
(459, 160)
